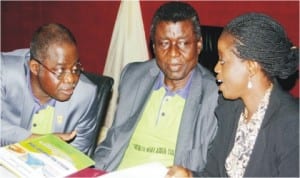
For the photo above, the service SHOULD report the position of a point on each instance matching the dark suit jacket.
(276, 151)
(17, 104)
(197, 127)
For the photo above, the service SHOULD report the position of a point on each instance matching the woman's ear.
(253, 67)
(33, 66)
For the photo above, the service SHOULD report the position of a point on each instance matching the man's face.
(55, 77)
(176, 49)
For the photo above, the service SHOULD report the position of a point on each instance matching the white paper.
(149, 170)
(46, 167)
(6, 173)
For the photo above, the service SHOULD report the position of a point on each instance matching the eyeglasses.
(60, 73)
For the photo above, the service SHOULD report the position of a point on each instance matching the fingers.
(169, 176)
(67, 136)
(73, 134)
(178, 172)
(34, 136)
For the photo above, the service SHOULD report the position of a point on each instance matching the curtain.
(128, 44)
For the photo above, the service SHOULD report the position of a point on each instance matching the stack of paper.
(149, 170)
(43, 157)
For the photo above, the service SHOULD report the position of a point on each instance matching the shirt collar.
(183, 92)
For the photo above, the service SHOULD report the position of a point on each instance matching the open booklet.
(43, 157)
(148, 170)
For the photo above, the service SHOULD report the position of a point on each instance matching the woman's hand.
(178, 172)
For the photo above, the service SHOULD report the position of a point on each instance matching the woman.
(258, 134)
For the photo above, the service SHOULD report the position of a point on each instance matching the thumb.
(73, 134)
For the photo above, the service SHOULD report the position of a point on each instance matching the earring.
(250, 85)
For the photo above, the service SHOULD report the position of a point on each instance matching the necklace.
(245, 115)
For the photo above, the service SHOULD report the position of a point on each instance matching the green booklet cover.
(45, 156)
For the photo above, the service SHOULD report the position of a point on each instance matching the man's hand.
(64, 136)
(178, 172)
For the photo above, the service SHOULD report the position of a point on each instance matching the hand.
(178, 171)
(64, 136)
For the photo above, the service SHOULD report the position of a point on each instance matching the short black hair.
(47, 35)
(175, 11)
(262, 39)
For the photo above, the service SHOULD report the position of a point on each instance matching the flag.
(128, 44)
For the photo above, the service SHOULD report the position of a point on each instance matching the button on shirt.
(155, 135)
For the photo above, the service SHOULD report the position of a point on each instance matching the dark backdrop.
(92, 22)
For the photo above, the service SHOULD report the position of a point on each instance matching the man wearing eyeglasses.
(43, 92)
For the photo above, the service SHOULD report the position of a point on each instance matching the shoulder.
(140, 66)
(206, 75)
(283, 108)
(14, 63)
(138, 70)
(17, 52)
(205, 81)
(282, 119)
(14, 58)
(85, 84)
(282, 103)
(85, 89)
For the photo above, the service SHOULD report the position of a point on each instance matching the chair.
(209, 54)
(104, 91)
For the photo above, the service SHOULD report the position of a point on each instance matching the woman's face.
(232, 71)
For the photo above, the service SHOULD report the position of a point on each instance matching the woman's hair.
(47, 35)
(262, 39)
(174, 12)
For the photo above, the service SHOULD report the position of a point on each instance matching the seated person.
(166, 105)
(258, 133)
(43, 92)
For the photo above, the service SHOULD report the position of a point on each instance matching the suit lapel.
(236, 113)
(27, 111)
(261, 140)
(144, 89)
(28, 102)
(189, 116)
(274, 103)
